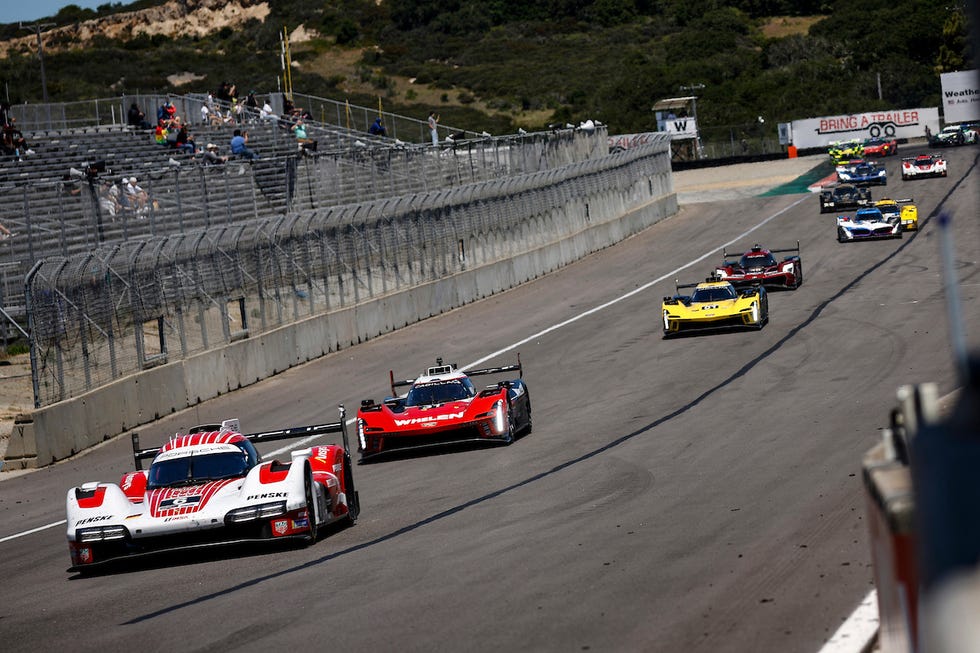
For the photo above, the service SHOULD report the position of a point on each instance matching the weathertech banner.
(900, 123)
(961, 96)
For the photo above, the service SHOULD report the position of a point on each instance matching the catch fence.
(138, 303)
(81, 212)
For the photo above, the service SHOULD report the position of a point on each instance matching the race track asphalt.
(692, 494)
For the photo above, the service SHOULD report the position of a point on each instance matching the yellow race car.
(715, 304)
(904, 209)
(843, 151)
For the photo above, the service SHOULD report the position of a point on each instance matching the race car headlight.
(260, 511)
(498, 416)
(360, 434)
(100, 533)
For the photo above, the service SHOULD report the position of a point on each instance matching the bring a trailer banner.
(901, 123)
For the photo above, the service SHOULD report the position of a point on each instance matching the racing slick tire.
(763, 314)
(310, 506)
(798, 276)
(528, 426)
(353, 500)
(841, 238)
(511, 428)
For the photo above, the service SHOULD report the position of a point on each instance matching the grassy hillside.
(502, 64)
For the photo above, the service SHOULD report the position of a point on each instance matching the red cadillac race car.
(443, 407)
(759, 265)
(210, 486)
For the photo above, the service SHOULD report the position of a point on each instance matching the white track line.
(33, 530)
(856, 633)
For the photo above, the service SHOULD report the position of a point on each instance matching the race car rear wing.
(755, 248)
(139, 455)
(453, 366)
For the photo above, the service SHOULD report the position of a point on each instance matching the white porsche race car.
(210, 486)
(867, 224)
(924, 165)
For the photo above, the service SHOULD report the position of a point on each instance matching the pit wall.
(63, 429)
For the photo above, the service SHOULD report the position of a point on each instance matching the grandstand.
(53, 200)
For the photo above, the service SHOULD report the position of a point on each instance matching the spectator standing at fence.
(239, 146)
(251, 106)
(434, 127)
(377, 128)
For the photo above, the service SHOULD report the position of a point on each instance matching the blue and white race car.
(867, 224)
(862, 173)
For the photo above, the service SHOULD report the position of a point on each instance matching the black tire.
(841, 238)
(511, 429)
(763, 313)
(528, 426)
(311, 507)
(799, 276)
(353, 500)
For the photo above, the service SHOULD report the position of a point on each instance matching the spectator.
(305, 142)
(377, 128)
(4, 114)
(205, 114)
(138, 198)
(222, 92)
(266, 113)
(211, 156)
(160, 134)
(184, 142)
(136, 118)
(239, 146)
(4, 232)
(251, 106)
(109, 199)
(434, 127)
(12, 141)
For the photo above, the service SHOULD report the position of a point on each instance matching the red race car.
(760, 266)
(880, 147)
(441, 407)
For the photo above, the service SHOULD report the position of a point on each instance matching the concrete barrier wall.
(63, 429)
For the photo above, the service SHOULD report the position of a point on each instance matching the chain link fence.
(110, 298)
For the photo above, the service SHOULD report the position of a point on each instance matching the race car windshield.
(758, 261)
(714, 294)
(428, 394)
(193, 470)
